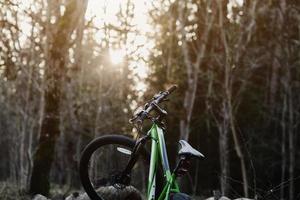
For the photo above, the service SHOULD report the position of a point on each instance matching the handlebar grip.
(171, 89)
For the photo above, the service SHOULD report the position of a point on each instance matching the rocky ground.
(85, 197)
(12, 192)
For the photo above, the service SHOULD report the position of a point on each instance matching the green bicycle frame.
(159, 154)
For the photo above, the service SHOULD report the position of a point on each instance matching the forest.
(75, 70)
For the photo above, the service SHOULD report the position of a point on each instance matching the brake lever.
(131, 120)
(159, 109)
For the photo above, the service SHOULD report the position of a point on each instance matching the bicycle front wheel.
(103, 161)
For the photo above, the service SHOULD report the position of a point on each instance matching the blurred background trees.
(68, 77)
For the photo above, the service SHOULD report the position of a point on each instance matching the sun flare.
(137, 46)
(116, 56)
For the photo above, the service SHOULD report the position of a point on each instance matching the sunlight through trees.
(74, 70)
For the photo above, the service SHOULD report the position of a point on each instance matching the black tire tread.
(93, 146)
(87, 153)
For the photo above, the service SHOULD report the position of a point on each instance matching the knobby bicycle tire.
(96, 144)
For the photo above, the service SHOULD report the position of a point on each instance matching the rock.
(76, 196)
(128, 193)
(58, 197)
(111, 193)
(39, 197)
(221, 198)
(224, 198)
(73, 196)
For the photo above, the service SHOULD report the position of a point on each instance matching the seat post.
(182, 166)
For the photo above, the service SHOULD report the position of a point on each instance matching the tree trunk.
(192, 68)
(283, 147)
(291, 135)
(24, 132)
(54, 74)
(223, 152)
(228, 113)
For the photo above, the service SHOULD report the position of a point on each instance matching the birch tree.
(190, 47)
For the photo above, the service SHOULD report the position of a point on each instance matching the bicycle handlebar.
(158, 98)
(172, 89)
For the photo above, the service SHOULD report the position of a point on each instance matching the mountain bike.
(119, 161)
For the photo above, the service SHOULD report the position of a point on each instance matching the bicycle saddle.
(187, 149)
